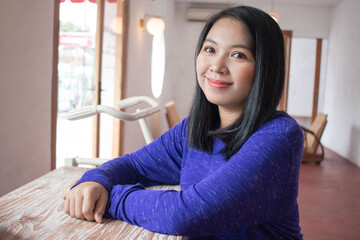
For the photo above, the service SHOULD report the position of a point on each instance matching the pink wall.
(26, 56)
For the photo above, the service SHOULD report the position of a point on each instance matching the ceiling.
(309, 3)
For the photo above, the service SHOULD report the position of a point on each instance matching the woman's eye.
(239, 55)
(209, 49)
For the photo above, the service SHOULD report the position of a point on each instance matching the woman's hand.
(86, 201)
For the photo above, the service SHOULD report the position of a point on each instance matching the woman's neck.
(228, 116)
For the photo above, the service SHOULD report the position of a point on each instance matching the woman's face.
(225, 65)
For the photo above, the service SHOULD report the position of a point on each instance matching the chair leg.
(315, 158)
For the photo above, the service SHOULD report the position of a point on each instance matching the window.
(89, 73)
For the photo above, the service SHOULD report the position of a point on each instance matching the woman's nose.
(219, 65)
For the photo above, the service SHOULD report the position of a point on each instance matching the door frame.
(284, 99)
(54, 84)
(287, 44)
(122, 10)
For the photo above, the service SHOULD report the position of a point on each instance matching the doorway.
(307, 78)
(91, 40)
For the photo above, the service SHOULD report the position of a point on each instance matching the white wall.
(301, 79)
(302, 74)
(342, 96)
(26, 56)
(305, 21)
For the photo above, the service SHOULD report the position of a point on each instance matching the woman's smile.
(218, 83)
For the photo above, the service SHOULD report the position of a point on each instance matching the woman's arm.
(158, 162)
(246, 191)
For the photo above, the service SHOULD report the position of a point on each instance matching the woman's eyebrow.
(210, 40)
(233, 46)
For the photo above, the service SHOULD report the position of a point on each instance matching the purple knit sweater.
(251, 196)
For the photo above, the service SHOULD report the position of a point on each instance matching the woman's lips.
(218, 83)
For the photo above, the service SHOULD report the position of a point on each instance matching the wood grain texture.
(35, 211)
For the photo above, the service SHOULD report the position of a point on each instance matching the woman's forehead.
(231, 31)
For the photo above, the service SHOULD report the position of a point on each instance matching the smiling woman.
(235, 157)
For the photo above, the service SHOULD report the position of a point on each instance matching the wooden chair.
(312, 138)
(172, 115)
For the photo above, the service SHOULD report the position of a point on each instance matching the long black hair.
(267, 46)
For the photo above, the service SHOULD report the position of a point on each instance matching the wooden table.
(35, 211)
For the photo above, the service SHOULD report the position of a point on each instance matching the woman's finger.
(100, 206)
(79, 206)
(67, 205)
(88, 208)
(72, 206)
(65, 192)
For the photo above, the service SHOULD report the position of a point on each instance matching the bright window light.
(157, 64)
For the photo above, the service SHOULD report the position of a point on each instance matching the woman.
(236, 158)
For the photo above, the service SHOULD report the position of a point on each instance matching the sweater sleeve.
(157, 163)
(246, 191)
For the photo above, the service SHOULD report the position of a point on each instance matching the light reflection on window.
(157, 64)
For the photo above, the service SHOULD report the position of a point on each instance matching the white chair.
(74, 162)
(139, 115)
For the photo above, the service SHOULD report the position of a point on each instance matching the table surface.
(35, 211)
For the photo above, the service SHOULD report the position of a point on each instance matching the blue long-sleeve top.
(253, 195)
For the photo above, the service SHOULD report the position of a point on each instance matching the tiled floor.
(329, 199)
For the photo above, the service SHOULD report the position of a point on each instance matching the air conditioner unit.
(202, 11)
(200, 14)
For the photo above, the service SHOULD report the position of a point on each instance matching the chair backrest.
(317, 127)
(172, 115)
